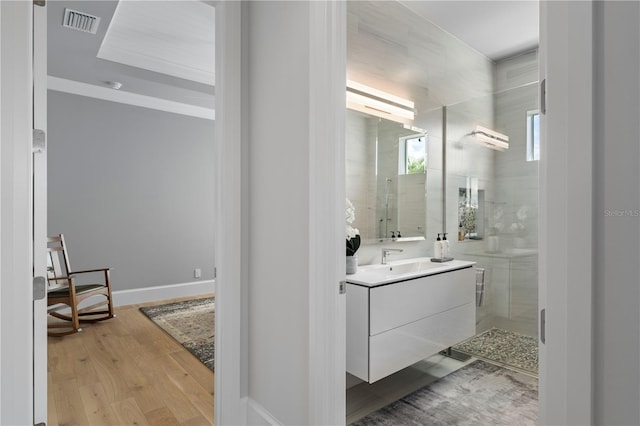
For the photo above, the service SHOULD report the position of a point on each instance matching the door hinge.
(39, 2)
(543, 96)
(39, 141)
(39, 288)
(215, 273)
(343, 287)
(543, 326)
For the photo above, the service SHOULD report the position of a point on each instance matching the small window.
(533, 136)
(413, 154)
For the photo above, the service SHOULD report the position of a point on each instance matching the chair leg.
(70, 325)
(75, 319)
(110, 298)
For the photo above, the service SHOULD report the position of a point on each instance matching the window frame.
(403, 166)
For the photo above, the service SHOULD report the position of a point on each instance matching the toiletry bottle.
(437, 248)
(445, 246)
(460, 232)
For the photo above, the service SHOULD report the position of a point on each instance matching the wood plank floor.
(126, 371)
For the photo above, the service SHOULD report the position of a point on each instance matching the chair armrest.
(90, 270)
(66, 277)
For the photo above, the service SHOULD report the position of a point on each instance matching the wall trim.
(258, 415)
(157, 293)
(107, 94)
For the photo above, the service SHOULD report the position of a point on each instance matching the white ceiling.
(496, 28)
(172, 38)
(166, 49)
(155, 73)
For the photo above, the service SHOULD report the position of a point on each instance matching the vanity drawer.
(398, 304)
(403, 346)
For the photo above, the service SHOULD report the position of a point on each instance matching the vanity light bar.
(491, 138)
(381, 104)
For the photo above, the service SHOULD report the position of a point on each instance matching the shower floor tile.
(504, 347)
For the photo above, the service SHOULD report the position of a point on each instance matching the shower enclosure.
(492, 203)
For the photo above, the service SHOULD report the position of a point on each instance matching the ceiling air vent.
(80, 21)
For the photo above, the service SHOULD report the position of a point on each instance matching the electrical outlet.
(197, 273)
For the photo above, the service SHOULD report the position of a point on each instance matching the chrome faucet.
(386, 252)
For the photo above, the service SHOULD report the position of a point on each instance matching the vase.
(352, 264)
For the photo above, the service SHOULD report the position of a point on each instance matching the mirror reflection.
(386, 176)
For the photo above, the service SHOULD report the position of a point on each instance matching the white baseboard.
(157, 293)
(257, 415)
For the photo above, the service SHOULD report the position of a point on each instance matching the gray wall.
(131, 188)
(616, 296)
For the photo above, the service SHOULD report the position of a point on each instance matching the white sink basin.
(399, 267)
(400, 270)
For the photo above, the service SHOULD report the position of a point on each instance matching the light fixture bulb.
(378, 103)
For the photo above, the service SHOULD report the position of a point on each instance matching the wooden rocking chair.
(64, 293)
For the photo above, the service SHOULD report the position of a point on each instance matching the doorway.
(556, 17)
(148, 186)
(452, 98)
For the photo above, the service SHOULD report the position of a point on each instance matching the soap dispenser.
(445, 246)
(437, 248)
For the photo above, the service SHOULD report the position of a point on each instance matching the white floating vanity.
(405, 311)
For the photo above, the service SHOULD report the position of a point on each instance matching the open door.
(20, 391)
(39, 188)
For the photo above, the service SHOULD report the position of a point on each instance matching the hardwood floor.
(126, 371)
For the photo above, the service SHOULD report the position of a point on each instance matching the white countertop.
(402, 270)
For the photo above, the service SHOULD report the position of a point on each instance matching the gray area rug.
(190, 322)
(478, 394)
(504, 347)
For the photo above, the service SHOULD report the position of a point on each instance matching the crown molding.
(92, 91)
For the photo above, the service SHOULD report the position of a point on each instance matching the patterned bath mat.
(478, 394)
(190, 322)
(504, 347)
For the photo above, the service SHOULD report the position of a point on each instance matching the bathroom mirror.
(386, 177)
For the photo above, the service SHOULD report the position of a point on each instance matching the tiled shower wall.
(517, 187)
(511, 295)
(516, 178)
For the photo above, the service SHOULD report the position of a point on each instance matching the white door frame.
(40, 213)
(566, 210)
(230, 246)
(327, 184)
(16, 312)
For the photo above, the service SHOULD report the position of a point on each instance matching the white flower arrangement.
(352, 234)
(519, 227)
